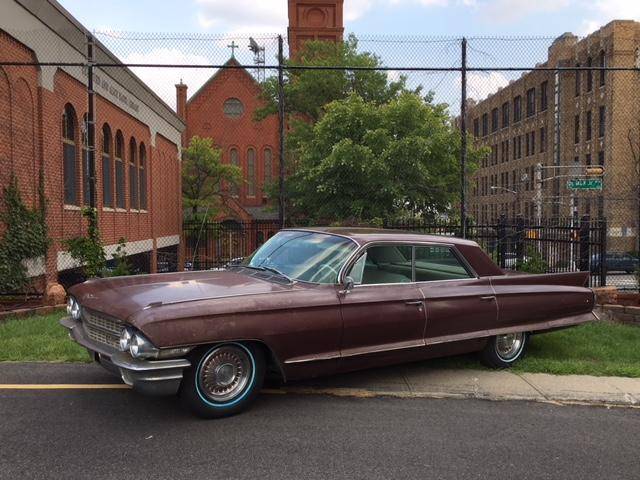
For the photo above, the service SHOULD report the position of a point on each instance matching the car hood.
(121, 297)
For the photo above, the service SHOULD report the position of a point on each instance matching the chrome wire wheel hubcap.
(508, 346)
(224, 373)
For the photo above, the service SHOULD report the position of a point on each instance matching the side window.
(383, 264)
(357, 270)
(438, 263)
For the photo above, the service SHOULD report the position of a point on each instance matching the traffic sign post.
(585, 184)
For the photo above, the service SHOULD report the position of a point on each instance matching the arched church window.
(233, 108)
(251, 172)
(107, 173)
(143, 176)
(69, 155)
(235, 161)
(119, 162)
(268, 166)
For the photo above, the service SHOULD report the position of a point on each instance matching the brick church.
(224, 107)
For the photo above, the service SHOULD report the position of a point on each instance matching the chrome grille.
(102, 329)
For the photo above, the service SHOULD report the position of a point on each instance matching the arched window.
(142, 174)
(107, 167)
(134, 204)
(603, 64)
(251, 172)
(86, 188)
(69, 152)
(589, 74)
(578, 72)
(235, 160)
(119, 162)
(268, 166)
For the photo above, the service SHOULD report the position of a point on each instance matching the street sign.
(585, 184)
(595, 171)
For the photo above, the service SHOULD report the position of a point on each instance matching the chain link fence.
(137, 153)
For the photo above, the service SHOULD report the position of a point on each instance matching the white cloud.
(162, 80)
(503, 11)
(393, 75)
(243, 16)
(270, 16)
(354, 9)
(603, 11)
(482, 84)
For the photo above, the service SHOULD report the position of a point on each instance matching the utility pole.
(463, 140)
(281, 126)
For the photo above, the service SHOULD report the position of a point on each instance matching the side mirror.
(347, 285)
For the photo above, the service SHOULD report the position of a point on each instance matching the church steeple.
(314, 20)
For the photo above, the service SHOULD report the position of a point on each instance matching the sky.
(402, 32)
(388, 17)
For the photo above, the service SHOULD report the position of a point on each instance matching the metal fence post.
(502, 235)
(281, 127)
(519, 238)
(91, 131)
(463, 139)
(583, 252)
(603, 252)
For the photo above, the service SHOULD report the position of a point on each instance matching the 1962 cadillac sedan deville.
(314, 302)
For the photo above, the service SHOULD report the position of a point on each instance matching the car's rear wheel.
(504, 350)
(223, 379)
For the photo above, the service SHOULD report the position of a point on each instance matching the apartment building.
(565, 120)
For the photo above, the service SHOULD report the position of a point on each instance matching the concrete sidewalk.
(421, 380)
(417, 380)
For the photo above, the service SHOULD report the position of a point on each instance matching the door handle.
(413, 302)
(488, 298)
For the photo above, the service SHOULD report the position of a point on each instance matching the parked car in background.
(315, 302)
(615, 262)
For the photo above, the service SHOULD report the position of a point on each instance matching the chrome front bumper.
(151, 377)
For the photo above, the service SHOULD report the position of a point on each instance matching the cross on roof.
(233, 47)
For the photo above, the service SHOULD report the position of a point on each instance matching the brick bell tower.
(314, 20)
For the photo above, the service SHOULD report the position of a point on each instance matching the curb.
(365, 393)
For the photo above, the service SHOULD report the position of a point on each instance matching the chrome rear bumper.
(151, 377)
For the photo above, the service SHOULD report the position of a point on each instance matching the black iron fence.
(553, 246)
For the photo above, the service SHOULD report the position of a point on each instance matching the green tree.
(365, 160)
(308, 91)
(203, 175)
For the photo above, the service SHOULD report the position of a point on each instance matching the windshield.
(307, 256)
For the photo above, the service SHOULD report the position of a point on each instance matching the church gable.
(229, 79)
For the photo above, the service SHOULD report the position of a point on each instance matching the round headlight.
(140, 347)
(125, 339)
(73, 308)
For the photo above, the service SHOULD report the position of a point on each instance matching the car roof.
(364, 235)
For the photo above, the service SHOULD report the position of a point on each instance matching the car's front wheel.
(223, 379)
(504, 350)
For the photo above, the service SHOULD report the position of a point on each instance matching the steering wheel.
(321, 269)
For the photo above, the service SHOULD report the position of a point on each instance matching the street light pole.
(537, 179)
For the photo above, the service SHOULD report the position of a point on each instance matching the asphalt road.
(119, 434)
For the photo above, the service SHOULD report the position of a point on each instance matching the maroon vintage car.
(315, 302)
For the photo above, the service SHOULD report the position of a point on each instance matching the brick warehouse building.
(568, 119)
(42, 112)
(224, 107)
